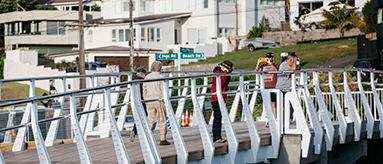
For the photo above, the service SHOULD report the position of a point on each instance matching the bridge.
(337, 112)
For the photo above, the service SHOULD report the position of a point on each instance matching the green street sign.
(167, 56)
(192, 56)
(186, 50)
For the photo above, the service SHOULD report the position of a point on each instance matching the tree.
(96, 8)
(257, 31)
(368, 24)
(339, 18)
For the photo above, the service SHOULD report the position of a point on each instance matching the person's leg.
(273, 103)
(152, 115)
(162, 124)
(217, 122)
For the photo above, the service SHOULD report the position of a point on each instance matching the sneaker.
(221, 140)
(164, 142)
(132, 137)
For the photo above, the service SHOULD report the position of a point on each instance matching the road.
(339, 63)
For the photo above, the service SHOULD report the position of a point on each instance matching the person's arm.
(272, 65)
(293, 67)
(257, 66)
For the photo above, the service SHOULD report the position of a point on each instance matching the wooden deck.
(102, 150)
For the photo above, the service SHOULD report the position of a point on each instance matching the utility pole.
(131, 36)
(81, 45)
(236, 25)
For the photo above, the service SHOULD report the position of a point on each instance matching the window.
(55, 28)
(269, 2)
(126, 6)
(143, 34)
(127, 35)
(276, 3)
(228, 1)
(310, 6)
(158, 35)
(226, 32)
(146, 6)
(202, 36)
(263, 2)
(90, 36)
(198, 4)
(192, 4)
(192, 33)
(151, 34)
(197, 36)
(114, 35)
(121, 35)
(205, 4)
(118, 6)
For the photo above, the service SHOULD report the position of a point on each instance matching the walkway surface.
(339, 63)
(102, 150)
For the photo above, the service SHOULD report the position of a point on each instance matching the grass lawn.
(18, 90)
(310, 54)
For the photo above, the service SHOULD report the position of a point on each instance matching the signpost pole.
(179, 69)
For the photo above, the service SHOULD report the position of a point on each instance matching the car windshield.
(363, 64)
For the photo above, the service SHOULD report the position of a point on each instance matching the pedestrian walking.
(224, 67)
(141, 74)
(156, 109)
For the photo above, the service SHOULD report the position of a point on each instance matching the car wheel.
(251, 48)
(313, 26)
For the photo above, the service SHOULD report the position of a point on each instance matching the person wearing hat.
(270, 80)
(141, 74)
(224, 67)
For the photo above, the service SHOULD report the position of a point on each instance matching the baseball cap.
(269, 55)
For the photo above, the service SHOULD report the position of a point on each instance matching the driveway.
(339, 63)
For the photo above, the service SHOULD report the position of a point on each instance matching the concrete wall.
(290, 37)
(24, 56)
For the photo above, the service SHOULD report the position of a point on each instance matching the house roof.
(142, 19)
(106, 49)
(29, 2)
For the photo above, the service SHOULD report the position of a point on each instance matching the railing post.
(104, 127)
(255, 139)
(87, 107)
(352, 109)
(40, 146)
(203, 129)
(230, 133)
(181, 102)
(367, 108)
(234, 106)
(301, 124)
(324, 113)
(147, 142)
(313, 116)
(253, 99)
(124, 109)
(378, 104)
(7, 136)
(122, 155)
(182, 153)
(339, 111)
(80, 142)
(201, 99)
(53, 128)
(20, 138)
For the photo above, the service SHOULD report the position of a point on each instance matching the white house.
(297, 5)
(162, 24)
(41, 30)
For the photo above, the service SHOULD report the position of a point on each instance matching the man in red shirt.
(270, 79)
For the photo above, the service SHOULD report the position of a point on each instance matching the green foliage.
(257, 31)
(339, 18)
(2, 63)
(36, 6)
(96, 8)
(369, 18)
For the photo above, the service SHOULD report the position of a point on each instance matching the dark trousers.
(134, 127)
(217, 122)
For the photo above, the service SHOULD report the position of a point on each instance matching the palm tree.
(339, 18)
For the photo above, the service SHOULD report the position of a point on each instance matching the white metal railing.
(310, 112)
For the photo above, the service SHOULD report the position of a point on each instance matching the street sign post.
(192, 56)
(167, 56)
